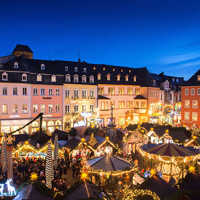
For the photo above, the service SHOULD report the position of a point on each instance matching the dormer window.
(53, 78)
(113, 69)
(42, 66)
(122, 70)
(129, 71)
(16, 65)
(39, 77)
(118, 77)
(99, 76)
(76, 78)
(108, 77)
(84, 69)
(104, 69)
(76, 69)
(4, 76)
(91, 79)
(84, 79)
(126, 77)
(94, 68)
(134, 78)
(154, 82)
(24, 77)
(66, 68)
(198, 77)
(68, 78)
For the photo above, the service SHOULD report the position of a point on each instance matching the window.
(137, 91)
(100, 91)
(84, 79)
(67, 92)
(194, 104)
(99, 76)
(14, 91)
(35, 108)
(24, 108)
(76, 78)
(15, 108)
(126, 77)
(83, 108)
(39, 77)
(57, 108)
(122, 70)
(24, 77)
(76, 108)
(50, 108)
(113, 69)
(24, 91)
(192, 91)
(84, 93)
(121, 91)
(111, 91)
(91, 93)
(4, 108)
(75, 93)
(91, 79)
(53, 78)
(16, 65)
(50, 92)
(57, 92)
(67, 109)
(42, 66)
(187, 103)
(68, 78)
(108, 77)
(198, 77)
(186, 91)
(198, 91)
(134, 78)
(66, 68)
(94, 68)
(4, 76)
(76, 69)
(42, 91)
(130, 91)
(84, 69)
(104, 69)
(91, 108)
(42, 108)
(4, 91)
(118, 77)
(35, 92)
(194, 116)
(187, 116)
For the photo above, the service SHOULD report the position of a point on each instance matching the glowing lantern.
(34, 176)
(192, 169)
(153, 172)
(84, 176)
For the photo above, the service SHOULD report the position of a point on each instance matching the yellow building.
(80, 105)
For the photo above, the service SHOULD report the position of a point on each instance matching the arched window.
(126, 77)
(24, 77)
(108, 77)
(16, 65)
(99, 76)
(53, 78)
(134, 78)
(4, 76)
(91, 78)
(76, 78)
(42, 66)
(68, 78)
(84, 79)
(118, 77)
(39, 77)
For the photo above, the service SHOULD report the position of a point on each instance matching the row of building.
(78, 93)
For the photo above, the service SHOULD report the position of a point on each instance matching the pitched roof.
(21, 47)
(194, 79)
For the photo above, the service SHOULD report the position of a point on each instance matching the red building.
(190, 93)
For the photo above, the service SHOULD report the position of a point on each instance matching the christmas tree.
(56, 151)
(49, 173)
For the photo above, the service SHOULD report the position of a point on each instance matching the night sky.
(163, 35)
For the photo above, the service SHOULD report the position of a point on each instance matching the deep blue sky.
(163, 35)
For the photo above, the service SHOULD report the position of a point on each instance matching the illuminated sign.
(9, 191)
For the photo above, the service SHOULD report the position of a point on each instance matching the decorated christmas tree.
(49, 172)
(56, 151)
(4, 163)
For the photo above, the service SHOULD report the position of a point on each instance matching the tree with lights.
(49, 171)
(4, 163)
(56, 151)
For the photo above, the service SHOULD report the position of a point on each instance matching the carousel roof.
(170, 150)
(109, 163)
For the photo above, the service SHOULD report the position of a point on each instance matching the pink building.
(47, 99)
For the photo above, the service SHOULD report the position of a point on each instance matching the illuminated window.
(122, 70)
(194, 104)
(111, 91)
(57, 92)
(39, 77)
(16, 65)
(121, 91)
(4, 76)
(192, 91)
(113, 69)
(50, 92)
(91, 79)
(99, 76)
(35, 108)
(134, 78)
(76, 78)
(187, 116)
(118, 77)
(68, 78)
(126, 77)
(137, 91)
(53, 78)
(15, 108)
(50, 108)
(4, 108)
(187, 103)
(42, 108)
(24, 77)
(84, 79)
(104, 69)
(108, 77)
(94, 68)
(91, 108)
(42, 66)
(57, 108)
(130, 91)
(100, 91)
(194, 116)
(24, 108)
(198, 77)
